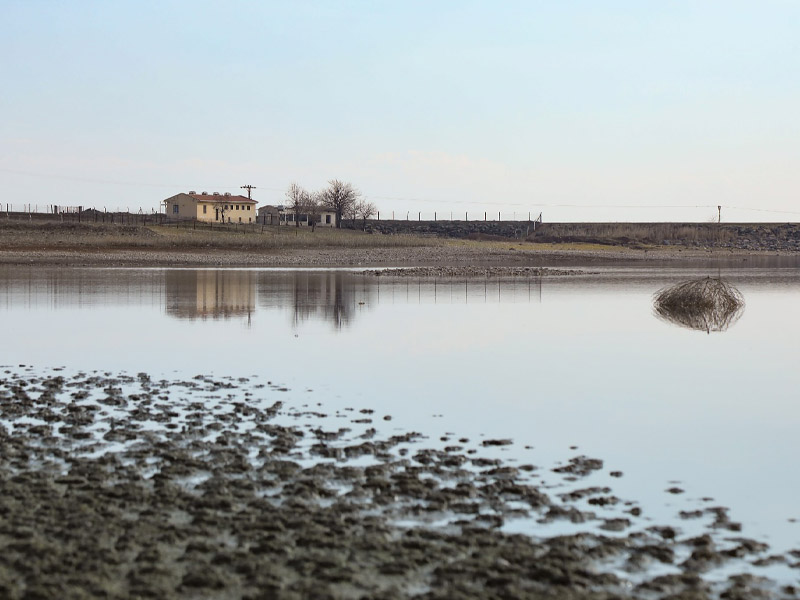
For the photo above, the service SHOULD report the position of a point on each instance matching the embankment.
(742, 236)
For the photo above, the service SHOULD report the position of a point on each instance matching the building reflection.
(215, 294)
(335, 297)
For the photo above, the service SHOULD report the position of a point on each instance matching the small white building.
(281, 215)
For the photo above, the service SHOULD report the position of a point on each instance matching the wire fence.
(406, 215)
(79, 214)
(467, 215)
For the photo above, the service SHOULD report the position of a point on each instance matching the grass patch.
(107, 236)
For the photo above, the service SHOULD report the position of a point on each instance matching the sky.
(580, 110)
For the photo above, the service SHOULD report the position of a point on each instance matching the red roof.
(221, 198)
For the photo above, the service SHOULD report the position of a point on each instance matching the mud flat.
(123, 486)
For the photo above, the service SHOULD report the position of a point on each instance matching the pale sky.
(585, 111)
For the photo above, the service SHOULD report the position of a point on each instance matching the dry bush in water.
(703, 304)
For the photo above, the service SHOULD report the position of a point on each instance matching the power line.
(103, 181)
(766, 210)
(394, 198)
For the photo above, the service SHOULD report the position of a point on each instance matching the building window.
(248, 207)
(176, 209)
(327, 219)
(237, 207)
(205, 206)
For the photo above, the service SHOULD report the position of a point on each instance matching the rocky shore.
(470, 271)
(479, 254)
(122, 486)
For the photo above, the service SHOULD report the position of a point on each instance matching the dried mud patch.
(121, 486)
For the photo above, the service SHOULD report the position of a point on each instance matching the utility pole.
(248, 188)
(719, 214)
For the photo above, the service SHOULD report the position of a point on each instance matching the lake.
(563, 366)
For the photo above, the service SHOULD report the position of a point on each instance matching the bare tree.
(296, 200)
(340, 197)
(364, 210)
(221, 209)
(313, 208)
(350, 214)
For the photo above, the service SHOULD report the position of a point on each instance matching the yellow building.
(213, 208)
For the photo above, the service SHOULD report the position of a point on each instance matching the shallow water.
(564, 366)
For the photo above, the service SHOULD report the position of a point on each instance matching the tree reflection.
(331, 296)
(703, 304)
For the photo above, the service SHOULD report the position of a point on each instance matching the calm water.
(553, 363)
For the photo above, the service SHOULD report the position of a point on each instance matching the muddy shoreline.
(122, 486)
(476, 254)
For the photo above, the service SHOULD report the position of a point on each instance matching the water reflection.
(330, 296)
(56, 288)
(702, 304)
(547, 353)
(218, 294)
(335, 297)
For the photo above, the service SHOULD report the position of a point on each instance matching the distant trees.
(340, 198)
(313, 208)
(361, 210)
(296, 201)
(365, 210)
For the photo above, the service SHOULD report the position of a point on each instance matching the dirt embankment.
(82, 244)
(741, 236)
